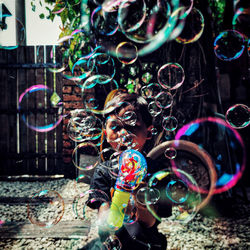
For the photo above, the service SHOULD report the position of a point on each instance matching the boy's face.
(123, 133)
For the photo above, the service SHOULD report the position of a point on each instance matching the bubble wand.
(132, 170)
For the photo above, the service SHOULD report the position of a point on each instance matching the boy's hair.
(137, 103)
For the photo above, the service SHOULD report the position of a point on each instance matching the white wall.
(8, 36)
(38, 31)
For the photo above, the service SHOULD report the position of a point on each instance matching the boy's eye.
(129, 117)
(115, 125)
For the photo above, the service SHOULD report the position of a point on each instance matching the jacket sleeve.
(100, 185)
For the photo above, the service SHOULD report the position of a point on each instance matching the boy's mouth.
(122, 148)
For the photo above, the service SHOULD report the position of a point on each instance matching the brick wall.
(72, 100)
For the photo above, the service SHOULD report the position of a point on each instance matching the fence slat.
(12, 104)
(23, 128)
(3, 117)
(31, 80)
(40, 117)
(59, 130)
(52, 118)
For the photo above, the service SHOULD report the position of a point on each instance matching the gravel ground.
(229, 229)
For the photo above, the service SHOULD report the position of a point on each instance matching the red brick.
(67, 89)
(67, 151)
(72, 98)
(67, 144)
(64, 128)
(65, 137)
(65, 121)
(67, 159)
(73, 105)
(77, 90)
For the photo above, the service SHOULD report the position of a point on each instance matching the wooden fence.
(24, 151)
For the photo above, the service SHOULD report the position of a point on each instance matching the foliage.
(217, 8)
(69, 13)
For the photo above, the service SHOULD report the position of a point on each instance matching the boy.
(128, 114)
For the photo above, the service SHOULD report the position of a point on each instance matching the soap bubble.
(164, 100)
(80, 123)
(45, 208)
(225, 146)
(150, 90)
(171, 76)
(193, 29)
(238, 116)
(82, 204)
(131, 215)
(104, 22)
(126, 52)
(229, 45)
(149, 195)
(112, 242)
(169, 123)
(176, 192)
(129, 117)
(40, 108)
(170, 153)
(81, 182)
(191, 159)
(85, 156)
(95, 91)
(154, 109)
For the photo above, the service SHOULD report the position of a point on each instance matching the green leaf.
(42, 16)
(70, 64)
(64, 16)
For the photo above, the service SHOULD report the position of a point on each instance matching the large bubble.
(40, 108)
(146, 23)
(190, 158)
(223, 143)
(45, 208)
(176, 192)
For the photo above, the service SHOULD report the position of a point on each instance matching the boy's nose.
(122, 132)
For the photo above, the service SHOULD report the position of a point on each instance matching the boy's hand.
(143, 214)
(103, 229)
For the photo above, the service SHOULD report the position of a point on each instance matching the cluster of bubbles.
(145, 25)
